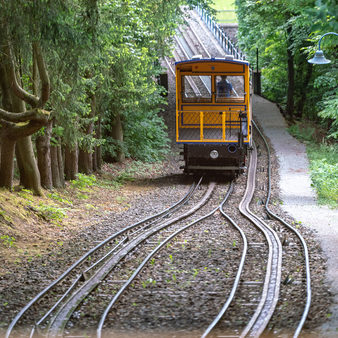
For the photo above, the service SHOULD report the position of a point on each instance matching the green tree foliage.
(136, 41)
(324, 97)
(286, 34)
(138, 36)
(103, 58)
(125, 40)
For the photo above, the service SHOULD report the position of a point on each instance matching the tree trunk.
(303, 90)
(5, 89)
(7, 163)
(33, 120)
(86, 155)
(85, 162)
(117, 134)
(291, 86)
(29, 169)
(43, 155)
(7, 145)
(61, 166)
(29, 172)
(55, 167)
(94, 159)
(71, 163)
(35, 74)
(19, 163)
(98, 149)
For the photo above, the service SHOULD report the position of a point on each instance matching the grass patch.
(323, 159)
(223, 4)
(51, 213)
(7, 241)
(225, 17)
(324, 172)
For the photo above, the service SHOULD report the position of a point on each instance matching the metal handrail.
(218, 33)
(227, 121)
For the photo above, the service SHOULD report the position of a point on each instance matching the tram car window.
(229, 88)
(213, 114)
(196, 88)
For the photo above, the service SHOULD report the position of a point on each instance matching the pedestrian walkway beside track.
(299, 199)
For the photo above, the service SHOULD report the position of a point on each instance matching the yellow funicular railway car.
(213, 114)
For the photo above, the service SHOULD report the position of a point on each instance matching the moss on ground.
(31, 226)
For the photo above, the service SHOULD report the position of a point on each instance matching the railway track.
(86, 273)
(59, 320)
(302, 246)
(270, 294)
(85, 280)
(257, 290)
(271, 285)
(193, 40)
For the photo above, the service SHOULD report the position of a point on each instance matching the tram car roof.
(224, 59)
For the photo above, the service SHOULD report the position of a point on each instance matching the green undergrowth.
(115, 176)
(33, 225)
(323, 158)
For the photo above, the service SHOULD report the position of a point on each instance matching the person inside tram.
(224, 87)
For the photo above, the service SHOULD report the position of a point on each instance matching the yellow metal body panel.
(219, 119)
(202, 66)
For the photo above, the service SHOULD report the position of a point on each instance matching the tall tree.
(119, 44)
(285, 32)
(13, 131)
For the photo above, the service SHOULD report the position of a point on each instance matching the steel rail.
(219, 35)
(198, 39)
(176, 57)
(239, 271)
(80, 277)
(221, 50)
(70, 289)
(305, 249)
(271, 287)
(59, 321)
(90, 252)
(179, 43)
(188, 54)
(147, 259)
(193, 46)
(191, 83)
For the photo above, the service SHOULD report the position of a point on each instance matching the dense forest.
(286, 34)
(78, 78)
(78, 85)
